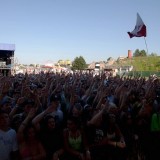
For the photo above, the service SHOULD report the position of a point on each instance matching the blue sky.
(50, 30)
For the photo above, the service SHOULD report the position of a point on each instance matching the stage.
(7, 59)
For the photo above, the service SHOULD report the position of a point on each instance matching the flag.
(139, 30)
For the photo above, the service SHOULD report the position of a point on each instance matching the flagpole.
(146, 45)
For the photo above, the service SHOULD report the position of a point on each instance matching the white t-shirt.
(8, 143)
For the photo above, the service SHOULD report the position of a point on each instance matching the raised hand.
(121, 144)
(20, 100)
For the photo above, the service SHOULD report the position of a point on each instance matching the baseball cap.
(55, 97)
(6, 100)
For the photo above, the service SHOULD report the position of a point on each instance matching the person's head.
(6, 106)
(112, 108)
(77, 110)
(28, 104)
(108, 119)
(16, 95)
(50, 122)
(4, 120)
(132, 96)
(30, 133)
(76, 98)
(73, 123)
(55, 99)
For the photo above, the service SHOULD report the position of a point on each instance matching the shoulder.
(11, 131)
(10, 134)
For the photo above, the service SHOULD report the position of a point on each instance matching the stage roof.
(7, 47)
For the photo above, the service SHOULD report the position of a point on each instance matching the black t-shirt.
(96, 134)
(51, 140)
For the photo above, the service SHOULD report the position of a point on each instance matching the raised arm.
(20, 134)
(36, 121)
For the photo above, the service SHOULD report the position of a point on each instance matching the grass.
(151, 63)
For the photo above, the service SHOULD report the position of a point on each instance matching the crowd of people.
(79, 116)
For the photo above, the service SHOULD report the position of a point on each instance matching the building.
(97, 66)
(7, 59)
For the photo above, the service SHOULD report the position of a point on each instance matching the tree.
(136, 53)
(37, 65)
(153, 54)
(139, 53)
(32, 65)
(143, 53)
(79, 63)
(110, 58)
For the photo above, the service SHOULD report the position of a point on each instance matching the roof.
(7, 47)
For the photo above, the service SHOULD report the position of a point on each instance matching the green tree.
(153, 54)
(143, 53)
(32, 65)
(110, 58)
(139, 53)
(79, 63)
(136, 53)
